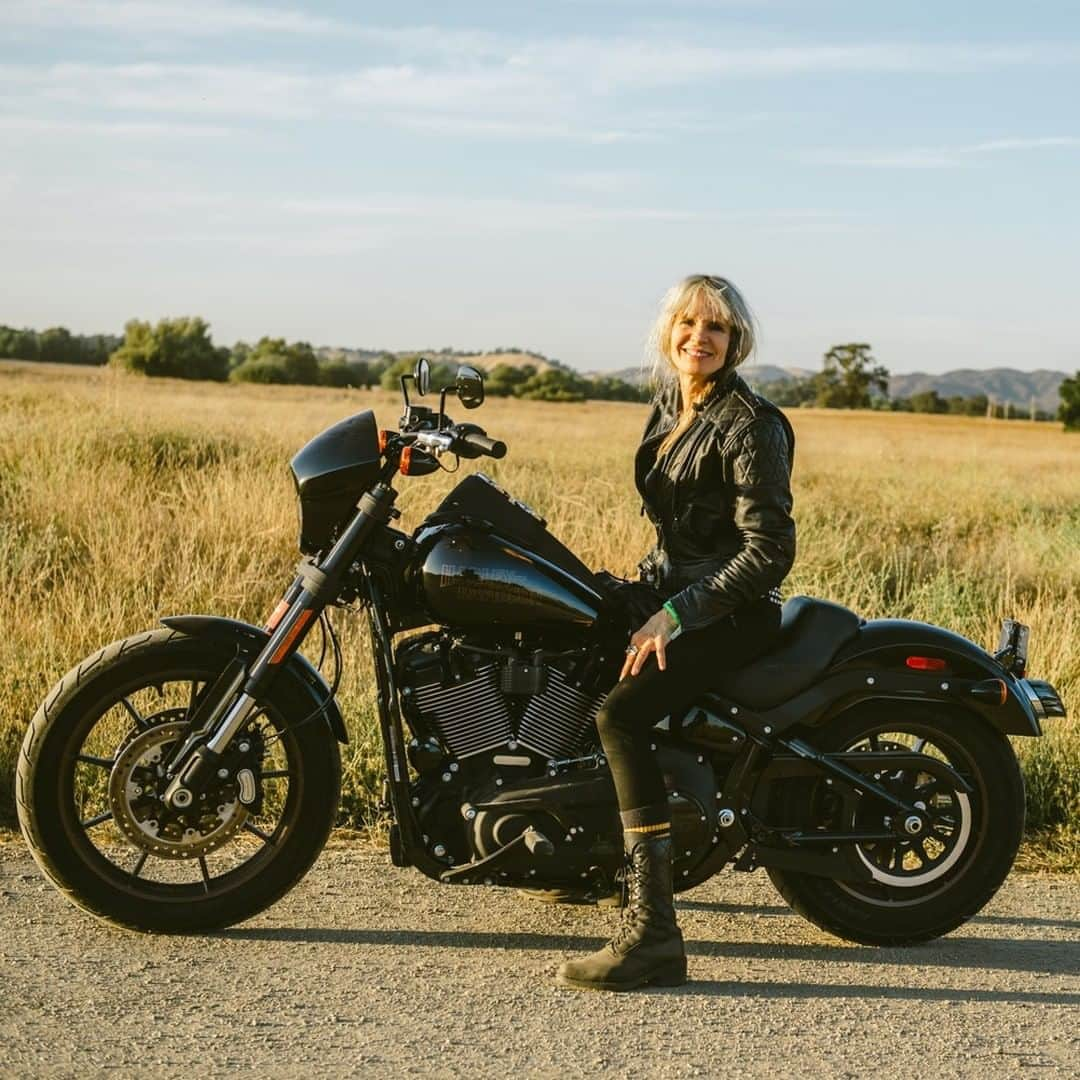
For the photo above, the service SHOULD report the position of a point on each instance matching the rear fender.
(250, 640)
(880, 651)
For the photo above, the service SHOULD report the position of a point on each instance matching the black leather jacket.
(720, 499)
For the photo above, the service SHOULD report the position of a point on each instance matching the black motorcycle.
(186, 778)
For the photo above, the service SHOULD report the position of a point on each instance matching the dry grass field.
(122, 500)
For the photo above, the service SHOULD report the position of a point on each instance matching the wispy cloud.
(40, 125)
(195, 19)
(473, 82)
(163, 88)
(939, 157)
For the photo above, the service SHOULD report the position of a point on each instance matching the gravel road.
(365, 969)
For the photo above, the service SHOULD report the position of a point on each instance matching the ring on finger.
(632, 650)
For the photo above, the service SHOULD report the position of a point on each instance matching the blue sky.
(476, 174)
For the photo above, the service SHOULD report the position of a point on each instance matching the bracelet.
(669, 607)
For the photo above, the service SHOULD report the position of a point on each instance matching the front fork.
(234, 698)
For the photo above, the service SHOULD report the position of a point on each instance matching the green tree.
(504, 379)
(240, 352)
(267, 369)
(18, 344)
(967, 406)
(609, 388)
(1069, 409)
(849, 376)
(928, 401)
(441, 374)
(297, 359)
(554, 385)
(788, 392)
(179, 348)
(57, 346)
(340, 373)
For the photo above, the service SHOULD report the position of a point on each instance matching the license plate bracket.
(1012, 650)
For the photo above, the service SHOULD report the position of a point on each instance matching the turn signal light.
(384, 438)
(991, 691)
(417, 462)
(926, 663)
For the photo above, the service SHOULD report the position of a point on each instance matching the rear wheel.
(89, 790)
(921, 886)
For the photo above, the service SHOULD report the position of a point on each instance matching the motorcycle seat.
(811, 634)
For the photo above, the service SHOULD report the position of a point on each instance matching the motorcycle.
(186, 778)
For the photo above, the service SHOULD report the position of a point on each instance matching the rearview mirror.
(422, 376)
(469, 386)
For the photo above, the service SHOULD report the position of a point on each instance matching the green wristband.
(669, 607)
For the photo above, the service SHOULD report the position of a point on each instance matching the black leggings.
(695, 661)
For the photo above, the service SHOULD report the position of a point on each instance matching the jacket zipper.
(683, 472)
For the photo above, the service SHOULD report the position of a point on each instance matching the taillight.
(926, 663)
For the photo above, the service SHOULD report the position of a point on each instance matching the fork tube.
(315, 586)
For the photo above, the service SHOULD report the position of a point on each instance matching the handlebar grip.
(491, 447)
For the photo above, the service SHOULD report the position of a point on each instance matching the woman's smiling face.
(699, 340)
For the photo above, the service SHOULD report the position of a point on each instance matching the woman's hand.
(653, 637)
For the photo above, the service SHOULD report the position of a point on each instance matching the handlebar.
(467, 440)
(491, 447)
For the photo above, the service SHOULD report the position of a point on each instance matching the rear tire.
(924, 900)
(106, 872)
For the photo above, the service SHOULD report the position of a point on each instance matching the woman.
(713, 470)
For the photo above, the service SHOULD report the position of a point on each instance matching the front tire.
(85, 791)
(915, 894)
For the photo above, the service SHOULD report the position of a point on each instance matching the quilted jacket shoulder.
(720, 500)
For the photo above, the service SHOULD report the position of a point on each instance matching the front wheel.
(90, 781)
(919, 887)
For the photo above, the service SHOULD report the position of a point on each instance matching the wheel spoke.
(192, 697)
(918, 745)
(205, 874)
(875, 743)
(266, 838)
(89, 823)
(275, 774)
(140, 720)
(139, 864)
(100, 762)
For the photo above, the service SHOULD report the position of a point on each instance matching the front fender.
(884, 645)
(250, 641)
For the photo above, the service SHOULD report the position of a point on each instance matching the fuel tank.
(470, 578)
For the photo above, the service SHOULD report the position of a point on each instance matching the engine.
(474, 699)
(504, 741)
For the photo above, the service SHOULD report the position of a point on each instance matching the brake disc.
(136, 785)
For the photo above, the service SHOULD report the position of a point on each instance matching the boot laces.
(633, 890)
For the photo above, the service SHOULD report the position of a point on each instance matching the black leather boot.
(648, 949)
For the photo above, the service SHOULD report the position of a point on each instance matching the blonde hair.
(724, 303)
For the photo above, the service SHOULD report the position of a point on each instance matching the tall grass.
(122, 500)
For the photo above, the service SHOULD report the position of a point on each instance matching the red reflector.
(406, 460)
(926, 663)
(384, 438)
(301, 621)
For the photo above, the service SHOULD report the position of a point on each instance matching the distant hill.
(755, 374)
(1002, 384)
(484, 361)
